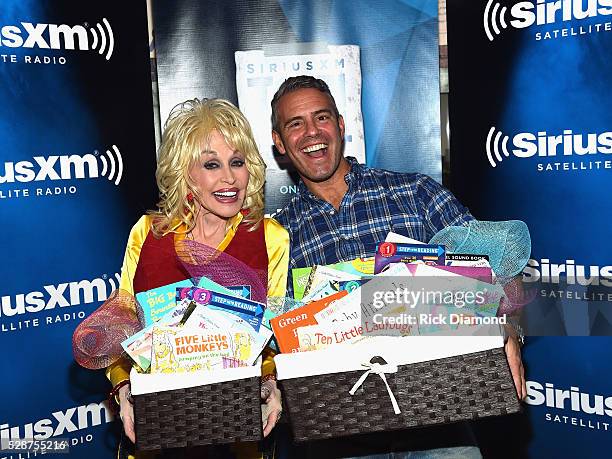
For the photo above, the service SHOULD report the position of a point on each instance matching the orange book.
(285, 326)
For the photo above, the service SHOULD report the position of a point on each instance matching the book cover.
(285, 326)
(251, 342)
(249, 310)
(467, 259)
(482, 273)
(358, 267)
(352, 305)
(138, 346)
(158, 301)
(352, 331)
(236, 290)
(390, 252)
(321, 274)
(184, 349)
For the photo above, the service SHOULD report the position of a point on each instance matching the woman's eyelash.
(214, 165)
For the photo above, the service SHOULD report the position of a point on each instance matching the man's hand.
(126, 413)
(273, 408)
(513, 354)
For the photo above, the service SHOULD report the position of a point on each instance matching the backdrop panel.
(196, 45)
(78, 161)
(534, 78)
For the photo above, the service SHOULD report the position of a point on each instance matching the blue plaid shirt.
(377, 201)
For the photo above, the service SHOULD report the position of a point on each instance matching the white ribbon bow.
(380, 370)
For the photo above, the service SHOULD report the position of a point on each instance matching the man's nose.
(312, 129)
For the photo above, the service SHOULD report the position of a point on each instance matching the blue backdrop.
(398, 41)
(78, 154)
(536, 147)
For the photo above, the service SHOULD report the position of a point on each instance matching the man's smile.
(316, 150)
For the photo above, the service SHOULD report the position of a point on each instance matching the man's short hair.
(293, 84)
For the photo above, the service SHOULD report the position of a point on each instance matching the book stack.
(407, 338)
(197, 365)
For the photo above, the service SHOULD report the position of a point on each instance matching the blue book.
(251, 311)
(158, 301)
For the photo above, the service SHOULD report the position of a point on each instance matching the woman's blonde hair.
(188, 127)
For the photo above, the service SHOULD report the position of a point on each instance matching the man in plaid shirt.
(341, 211)
(375, 202)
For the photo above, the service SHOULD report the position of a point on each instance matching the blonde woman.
(210, 177)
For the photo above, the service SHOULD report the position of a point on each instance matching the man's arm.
(513, 354)
(440, 208)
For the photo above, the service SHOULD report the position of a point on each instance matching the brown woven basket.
(464, 387)
(211, 414)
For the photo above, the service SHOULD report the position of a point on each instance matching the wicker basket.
(208, 414)
(444, 390)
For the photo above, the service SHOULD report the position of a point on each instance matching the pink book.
(480, 273)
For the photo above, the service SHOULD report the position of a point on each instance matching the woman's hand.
(273, 408)
(126, 412)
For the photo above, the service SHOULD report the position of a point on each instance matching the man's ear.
(278, 142)
(341, 126)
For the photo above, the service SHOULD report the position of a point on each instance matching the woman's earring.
(190, 197)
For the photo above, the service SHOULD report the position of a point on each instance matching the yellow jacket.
(277, 246)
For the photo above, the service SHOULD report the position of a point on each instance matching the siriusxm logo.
(569, 272)
(60, 422)
(62, 296)
(573, 399)
(541, 144)
(41, 168)
(62, 36)
(525, 14)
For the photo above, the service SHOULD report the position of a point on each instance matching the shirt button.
(332, 212)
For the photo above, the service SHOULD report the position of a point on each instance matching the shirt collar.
(353, 176)
(356, 172)
(236, 220)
